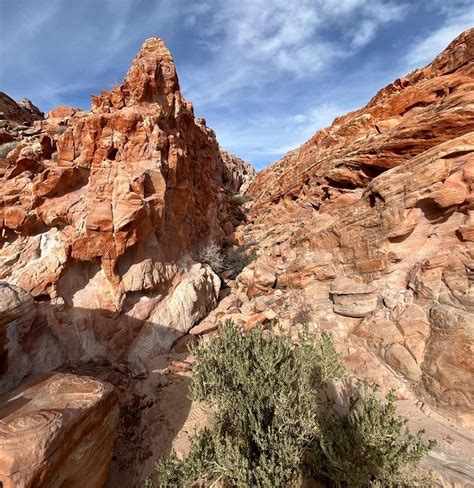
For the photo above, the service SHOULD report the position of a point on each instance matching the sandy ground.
(167, 420)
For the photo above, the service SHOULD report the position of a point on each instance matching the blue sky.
(266, 74)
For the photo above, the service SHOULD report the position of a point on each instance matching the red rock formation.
(406, 118)
(368, 229)
(101, 211)
(17, 113)
(238, 175)
(57, 430)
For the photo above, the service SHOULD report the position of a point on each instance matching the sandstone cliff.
(238, 175)
(367, 230)
(101, 215)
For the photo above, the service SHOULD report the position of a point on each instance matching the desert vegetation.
(234, 259)
(6, 148)
(239, 199)
(273, 423)
(212, 255)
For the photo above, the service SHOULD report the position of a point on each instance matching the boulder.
(353, 298)
(57, 430)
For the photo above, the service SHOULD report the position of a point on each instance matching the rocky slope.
(367, 230)
(16, 115)
(372, 219)
(101, 215)
(238, 175)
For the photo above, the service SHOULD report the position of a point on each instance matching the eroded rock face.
(430, 106)
(102, 212)
(238, 175)
(57, 430)
(367, 229)
(14, 113)
(17, 314)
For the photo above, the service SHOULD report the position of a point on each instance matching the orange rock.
(103, 211)
(61, 112)
(57, 430)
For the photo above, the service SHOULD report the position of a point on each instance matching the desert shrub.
(270, 425)
(266, 394)
(6, 148)
(237, 259)
(211, 254)
(370, 445)
(239, 199)
(302, 316)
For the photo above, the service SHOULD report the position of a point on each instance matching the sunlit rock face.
(368, 228)
(102, 213)
(237, 174)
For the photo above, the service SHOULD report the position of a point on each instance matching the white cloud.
(364, 34)
(458, 18)
(253, 43)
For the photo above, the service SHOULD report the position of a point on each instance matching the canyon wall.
(102, 217)
(367, 230)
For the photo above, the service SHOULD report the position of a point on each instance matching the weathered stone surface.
(379, 333)
(400, 359)
(103, 212)
(238, 175)
(353, 298)
(384, 197)
(416, 112)
(192, 299)
(17, 113)
(17, 313)
(57, 430)
(258, 278)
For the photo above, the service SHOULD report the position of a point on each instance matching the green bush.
(6, 148)
(270, 425)
(239, 199)
(367, 446)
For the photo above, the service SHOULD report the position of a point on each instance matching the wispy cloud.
(265, 138)
(458, 16)
(255, 42)
(266, 74)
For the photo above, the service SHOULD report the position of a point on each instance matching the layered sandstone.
(57, 430)
(101, 215)
(366, 230)
(430, 106)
